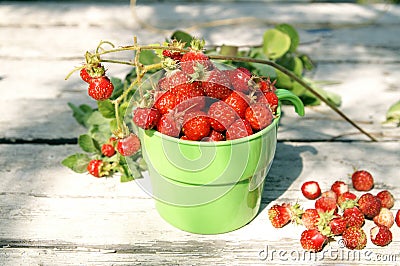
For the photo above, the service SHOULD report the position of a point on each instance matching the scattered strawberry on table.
(196, 100)
(341, 214)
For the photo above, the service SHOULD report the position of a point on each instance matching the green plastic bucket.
(211, 187)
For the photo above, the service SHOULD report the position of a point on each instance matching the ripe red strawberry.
(195, 60)
(214, 136)
(217, 85)
(354, 217)
(311, 190)
(259, 116)
(312, 240)
(397, 219)
(386, 199)
(175, 55)
(347, 200)
(146, 118)
(100, 88)
(325, 204)
(369, 205)
(107, 149)
(338, 225)
(90, 71)
(239, 102)
(267, 85)
(239, 129)
(310, 218)
(381, 236)
(280, 215)
(362, 180)
(329, 194)
(269, 98)
(221, 116)
(385, 217)
(339, 187)
(354, 238)
(169, 125)
(129, 145)
(174, 78)
(165, 102)
(196, 125)
(94, 168)
(189, 96)
(239, 78)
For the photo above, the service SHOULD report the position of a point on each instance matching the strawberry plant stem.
(301, 82)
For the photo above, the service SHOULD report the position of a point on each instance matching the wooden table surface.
(52, 216)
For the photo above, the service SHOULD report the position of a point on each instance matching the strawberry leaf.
(88, 144)
(275, 43)
(148, 57)
(106, 108)
(81, 113)
(77, 162)
(393, 114)
(118, 87)
(292, 33)
(182, 37)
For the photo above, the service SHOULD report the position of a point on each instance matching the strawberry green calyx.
(169, 64)
(197, 44)
(297, 212)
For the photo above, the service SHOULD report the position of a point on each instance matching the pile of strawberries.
(195, 100)
(340, 212)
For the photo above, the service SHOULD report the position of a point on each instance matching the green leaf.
(283, 81)
(100, 133)
(292, 33)
(298, 67)
(113, 125)
(118, 87)
(106, 108)
(87, 143)
(307, 63)
(264, 71)
(148, 57)
(96, 118)
(229, 50)
(77, 162)
(275, 43)
(81, 113)
(182, 36)
(393, 114)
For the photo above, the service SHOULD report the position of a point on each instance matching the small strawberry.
(312, 240)
(310, 218)
(338, 225)
(195, 59)
(397, 219)
(85, 75)
(354, 217)
(325, 204)
(381, 236)
(280, 215)
(129, 145)
(329, 194)
(239, 129)
(385, 217)
(107, 149)
(169, 125)
(94, 168)
(239, 102)
(347, 200)
(269, 98)
(362, 180)
(339, 187)
(259, 116)
(165, 102)
(386, 199)
(239, 78)
(90, 71)
(267, 85)
(174, 78)
(175, 55)
(146, 118)
(214, 136)
(311, 190)
(221, 116)
(217, 85)
(369, 205)
(354, 238)
(189, 96)
(196, 125)
(100, 88)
